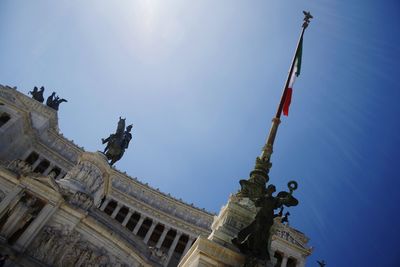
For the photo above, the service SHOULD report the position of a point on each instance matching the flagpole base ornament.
(254, 239)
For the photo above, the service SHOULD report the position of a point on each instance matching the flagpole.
(254, 187)
(268, 148)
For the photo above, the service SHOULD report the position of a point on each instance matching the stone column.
(128, 216)
(172, 248)
(10, 198)
(33, 229)
(105, 203)
(137, 227)
(162, 237)
(284, 261)
(37, 162)
(147, 237)
(188, 245)
(26, 155)
(115, 212)
(47, 171)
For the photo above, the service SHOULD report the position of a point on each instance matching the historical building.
(63, 206)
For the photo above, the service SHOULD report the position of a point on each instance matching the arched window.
(4, 118)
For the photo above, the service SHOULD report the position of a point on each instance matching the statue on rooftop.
(37, 94)
(54, 101)
(117, 142)
(253, 240)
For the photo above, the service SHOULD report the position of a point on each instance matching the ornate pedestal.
(205, 252)
(88, 177)
(217, 249)
(235, 215)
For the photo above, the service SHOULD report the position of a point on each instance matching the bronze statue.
(253, 240)
(118, 142)
(37, 94)
(54, 101)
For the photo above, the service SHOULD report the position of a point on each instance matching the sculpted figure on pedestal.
(253, 240)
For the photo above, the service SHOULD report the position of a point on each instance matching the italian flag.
(293, 75)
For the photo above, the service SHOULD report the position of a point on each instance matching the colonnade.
(172, 242)
(42, 165)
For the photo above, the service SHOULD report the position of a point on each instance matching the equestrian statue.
(117, 142)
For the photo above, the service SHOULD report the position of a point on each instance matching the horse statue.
(54, 101)
(37, 94)
(117, 142)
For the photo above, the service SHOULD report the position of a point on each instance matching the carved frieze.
(63, 247)
(19, 167)
(286, 235)
(61, 145)
(88, 175)
(6, 95)
(80, 200)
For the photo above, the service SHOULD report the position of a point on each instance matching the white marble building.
(63, 206)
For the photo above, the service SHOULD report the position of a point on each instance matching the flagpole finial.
(307, 17)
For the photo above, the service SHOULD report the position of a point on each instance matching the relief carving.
(158, 254)
(81, 200)
(21, 214)
(57, 247)
(7, 96)
(87, 175)
(288, 237)
(20, 167)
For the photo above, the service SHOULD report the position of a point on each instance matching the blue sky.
(200, 81)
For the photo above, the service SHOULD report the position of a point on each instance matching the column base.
(206, 253)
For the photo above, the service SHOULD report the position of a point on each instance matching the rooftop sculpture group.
(52, 101)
